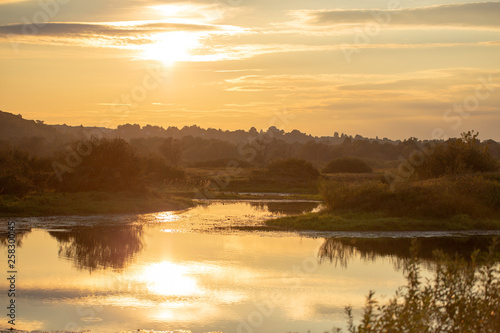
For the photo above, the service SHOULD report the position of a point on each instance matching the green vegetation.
(464, 296)
(360, 203)
(347, 165)
(477, 196)
(361, 221)
(457, 156)
(90, 203)
(466, 196)
(293, 169)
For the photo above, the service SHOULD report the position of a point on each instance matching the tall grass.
(473, 195)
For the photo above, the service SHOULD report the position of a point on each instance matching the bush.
(293, 169)
(457, 156)
(111, 166)
(21, 173)
(464, 297)
(347, 165)
(156, 169)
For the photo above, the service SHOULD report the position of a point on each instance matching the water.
(199, 271)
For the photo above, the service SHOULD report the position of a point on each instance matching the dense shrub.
(464, 296)
(293, 169)
(156, 169)
(21, 173)
(347, 165)
(457, 156)
(111, 166)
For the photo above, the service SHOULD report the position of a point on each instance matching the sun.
(170, 47)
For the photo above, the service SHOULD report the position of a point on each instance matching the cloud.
(122, 35)
(100, 29)
(10, 1)
(482, 14)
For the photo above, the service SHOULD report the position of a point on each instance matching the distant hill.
(15, 127)
(197, 144)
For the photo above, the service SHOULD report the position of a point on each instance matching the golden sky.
(388, 68)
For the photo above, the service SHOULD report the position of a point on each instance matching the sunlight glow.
(171, 47)
(166, 217)
(169, 279)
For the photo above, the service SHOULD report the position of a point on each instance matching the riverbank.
(325, 221)
(466, 202)
(90, 203)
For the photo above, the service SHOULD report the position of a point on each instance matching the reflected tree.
(340, 250)
(94, 248)
(336, 252)
(20, 234)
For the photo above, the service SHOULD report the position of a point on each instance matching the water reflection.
(340, 251)
(286, 208)
(99, 247)
(20, 235)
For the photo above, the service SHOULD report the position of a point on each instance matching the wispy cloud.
(123, 35)
(482, 14)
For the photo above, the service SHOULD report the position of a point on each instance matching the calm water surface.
(194, 271)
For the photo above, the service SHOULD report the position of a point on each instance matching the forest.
(37, 157)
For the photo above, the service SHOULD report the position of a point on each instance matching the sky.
(387, 68)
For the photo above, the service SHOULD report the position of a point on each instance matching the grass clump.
(464, 296)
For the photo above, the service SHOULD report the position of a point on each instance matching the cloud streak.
(100, 29)
(483, 14)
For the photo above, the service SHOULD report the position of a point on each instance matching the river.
(211, 268)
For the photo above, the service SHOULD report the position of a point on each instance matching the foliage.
(171, 149)
(293, 168)
(464, 296)
(111, 166)
(155, 169)
(347, 165)
(457, 156)
(477, 196)
(21, 173)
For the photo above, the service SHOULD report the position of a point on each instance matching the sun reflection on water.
(169, 279)
(166, 217)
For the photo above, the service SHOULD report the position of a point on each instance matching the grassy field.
(377, 222)
(249, 180)
(90, 203)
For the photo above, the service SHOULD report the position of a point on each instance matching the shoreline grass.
(465, 202)
(325, 221)
(90, 203)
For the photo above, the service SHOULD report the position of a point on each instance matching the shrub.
(111, 166)
(457, 156)
(21, 173)
(293, 169)
(463, 297)
(347, 165)
(156, 169)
